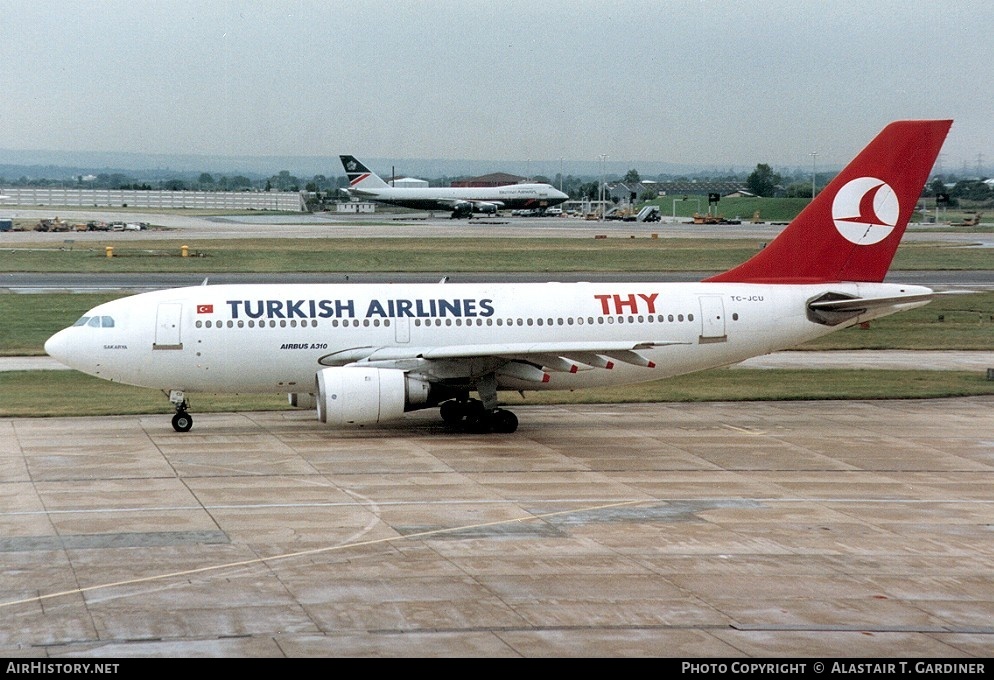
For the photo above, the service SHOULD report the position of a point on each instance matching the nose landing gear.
(182, 421)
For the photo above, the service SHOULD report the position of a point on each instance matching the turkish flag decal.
(205, 309)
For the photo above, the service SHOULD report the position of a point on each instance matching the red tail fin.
(853, 227)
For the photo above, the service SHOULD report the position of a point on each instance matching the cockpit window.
(96, 321)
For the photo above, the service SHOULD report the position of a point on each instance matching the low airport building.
(292, 201)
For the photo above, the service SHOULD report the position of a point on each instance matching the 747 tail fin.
(851, 230)
(361, 177)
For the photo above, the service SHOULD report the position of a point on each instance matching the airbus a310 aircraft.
(462, 201)
(366, 353)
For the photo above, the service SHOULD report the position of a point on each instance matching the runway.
(799, 529)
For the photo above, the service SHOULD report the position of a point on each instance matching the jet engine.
(485, 208)
(360, 395)
(461, 209)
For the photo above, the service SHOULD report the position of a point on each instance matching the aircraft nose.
(57, 347)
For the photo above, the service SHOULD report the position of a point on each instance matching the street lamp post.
(814, 173)
(600, 193)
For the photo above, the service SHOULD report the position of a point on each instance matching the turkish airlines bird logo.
(865, 210)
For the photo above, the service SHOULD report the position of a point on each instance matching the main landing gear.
(473, 417)
(182, 421)
(479, 415)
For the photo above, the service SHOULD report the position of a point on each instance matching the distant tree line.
(972, 192)
(762, 181)
(205, 181)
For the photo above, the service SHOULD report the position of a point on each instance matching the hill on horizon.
(55, 165)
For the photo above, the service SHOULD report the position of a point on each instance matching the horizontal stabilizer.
(859, 304)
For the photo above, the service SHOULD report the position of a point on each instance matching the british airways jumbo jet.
(462, 201)
(367, 353)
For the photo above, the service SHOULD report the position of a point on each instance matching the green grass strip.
(619, 253)
(69, 393)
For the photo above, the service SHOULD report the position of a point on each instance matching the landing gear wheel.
(478, 422)
(182, 421)
(503, 421)
(452, 412)
(457, 412)
(470, 416)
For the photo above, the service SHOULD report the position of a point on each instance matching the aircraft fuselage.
(265, 338)
(513, 196)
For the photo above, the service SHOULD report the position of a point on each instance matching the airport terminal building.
(293, 201)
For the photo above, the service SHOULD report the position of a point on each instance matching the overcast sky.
(706, 82)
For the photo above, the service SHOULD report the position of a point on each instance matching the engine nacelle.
(485, 208)
(360, 395)
(462, 209)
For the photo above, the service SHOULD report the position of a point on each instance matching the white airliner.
(462, 201)
(366, 353)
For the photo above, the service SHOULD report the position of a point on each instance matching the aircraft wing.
(528, 361)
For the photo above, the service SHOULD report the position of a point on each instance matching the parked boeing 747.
(366, 353)
(462, 201)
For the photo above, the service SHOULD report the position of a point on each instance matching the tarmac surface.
(387, 224)
(799, 529)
